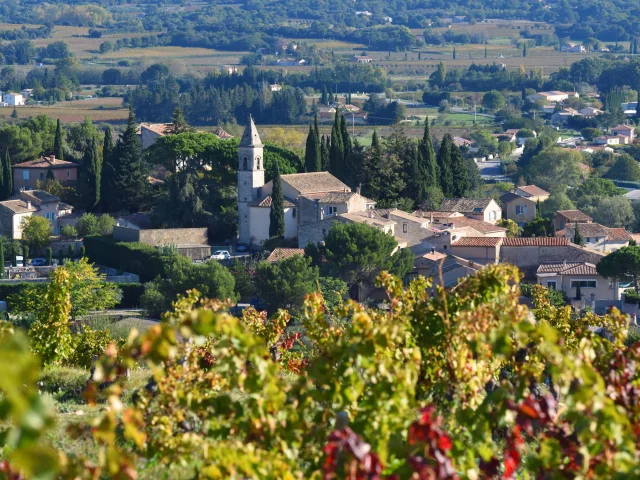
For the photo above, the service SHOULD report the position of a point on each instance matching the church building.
(308, 197)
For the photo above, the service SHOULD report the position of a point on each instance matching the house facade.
(26, 203)
(519, 209)
(26, 174)
(568, 277)
(486, 210)
(13, 99)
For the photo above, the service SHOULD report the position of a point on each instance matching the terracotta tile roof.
(37, 197)
(479, 226)
(623, 127)
(574, 215)
(535, 242)
(594, 230)
(434, 256)
(534, 191)
(316, 182)
(266, 202)
(385, 212)
(220, 133)
(618, 234)
(425, 214)
(567, 268)
(465, 205)
(46, 162)
(363, 217)
(283, 253)
(477, 242)
(337, 197)
(18, 206)
(159, 128)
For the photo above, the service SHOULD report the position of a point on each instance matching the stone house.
(533, 192)
(566, 276)
(624, 131)
(439, 266)
(519, 209)
(597, 237)
(483, 250)
(486, 209)
(316, 232)
(566, 217)
(27, 203)
(26, 174)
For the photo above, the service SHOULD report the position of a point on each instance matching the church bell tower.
(250, 178)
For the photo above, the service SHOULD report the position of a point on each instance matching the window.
(331, 211)
(41, 176)
(324, 232)
(405, 228)
(245, 161)
(68, 174)
(520, 209)
(584, 283)
(258, 158)
(293, 213)
(25, 174)
(492, 215)
(552, 285)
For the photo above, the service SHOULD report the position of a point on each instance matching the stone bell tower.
(250, 178)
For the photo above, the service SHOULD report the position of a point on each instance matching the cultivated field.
(98, 109)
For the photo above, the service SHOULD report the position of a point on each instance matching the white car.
(220, 255)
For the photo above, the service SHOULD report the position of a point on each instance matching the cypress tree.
(25, 254)
(106, 178)
(538, 212)
(524, 50)
(427, 159)
(577, 236)
(316, 128)
(454, 53)
(49, 256)
(1, 260)
(336, 152)
(58, 144)
(92, 170)
(375, 141)
(324, 99)
(348, 170)
(178, 123)
(3, 190)
(312, 159)
(128, 184)
(7, 172)
(637, 115)
(50, 175)
(460, 172)
(444, 166)
(416, 188)
(485, 51)
(276, 216)
(324, 153)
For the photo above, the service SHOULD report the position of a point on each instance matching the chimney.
(370, 214)
(28, 205)
(52, 158)
(359, 189)
(431, 218)
(433, 249)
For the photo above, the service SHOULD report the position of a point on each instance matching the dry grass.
(98, 109)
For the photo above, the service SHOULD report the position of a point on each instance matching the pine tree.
(324, 153)
(577, 236)
(336, 152)
(128, 183)
(14, 114)
(58, 143)
(91, 175)
(444, 166)
(454, 53)
(276, 216)
(460, 173)
(178, 123)
(312, 158)
(7, 172)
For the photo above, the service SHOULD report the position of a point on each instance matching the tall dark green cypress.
(1, 260)
(7, 173)
(276, 216)
(427, 158)
(336, 152)
(312, 159)
(92, 172)
(58, 143)
(128, 176)
(3, 190)
(460, 173)
(325, 147)
(316, 128)
(444, 166)
(416, 188)
(324, 99)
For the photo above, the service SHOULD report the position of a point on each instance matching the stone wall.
(162, 236)
(6, 222)
(314, 232)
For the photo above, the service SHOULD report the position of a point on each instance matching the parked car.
(220, 255)
(39, 262)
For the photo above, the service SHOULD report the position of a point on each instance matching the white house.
(552, 96)
(13, 99)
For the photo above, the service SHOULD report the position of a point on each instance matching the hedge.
(131, 292)
(139, 258)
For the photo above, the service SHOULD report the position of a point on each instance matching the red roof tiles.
(477, 242)
(535, 242)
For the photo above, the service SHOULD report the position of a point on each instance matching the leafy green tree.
(89, 225)
(614, 212)
(276, 214)
(625, 168)
(356, 253)
(577, 236)
(284, 284)
(36, 231)
(383, 166)
(557, 201)
(493, 100)
(513, 230)
(445, 168)
(126, 173)
(334, 292)
(89, 290)
(623, 265)
(58, 142)
(555, 168)
(538, 227)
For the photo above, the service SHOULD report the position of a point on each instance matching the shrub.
(87, 343)
(131, 293)
(64, 383)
